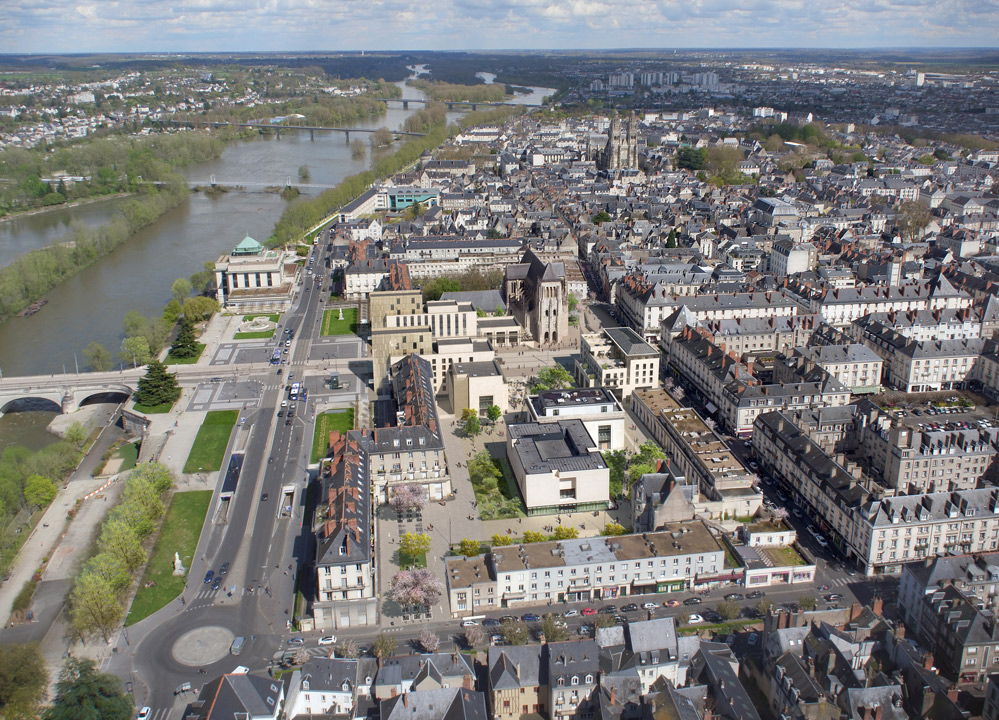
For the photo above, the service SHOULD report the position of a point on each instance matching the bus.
(276, 357)
(294, 390)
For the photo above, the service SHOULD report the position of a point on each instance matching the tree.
(94, 606)
(600, 218)
(303, 173)
(764, 608)
(499, 540)
(616, 461)
(603, 620)
(533, 536)
(467, 414)
(612, 529)
(472, 426)
(484, 473)
(134, 350)
(39, 491)
(498, 311)
(671, 238)
(108, 569)
(120, 540)
(564, 532)
(572, 302)
(644, 461)
(157, 386)
(682, 617)
(514, 632)
(415, 588)
(181, 289)
(384, 646)
(728, 609)
(380, 137)
(416, 210)
(97, 357)
(186, 344)
(470, 548)
(474, 635)
(806, 602)
(429, 640)
(200, 307)
(911, 219)
(302, 656)
(358, 149)
(413, 545)
(408, 497)
(348, 649)
(552, 378)
(23, 680)
(554, 628)
(85, 693)
(494, 413)
(690, 158)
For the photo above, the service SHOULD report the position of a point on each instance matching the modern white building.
(598, 409)
(254, 279)
(619, 360)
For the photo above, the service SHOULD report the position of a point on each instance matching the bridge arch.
(115, 397)
(30, 403)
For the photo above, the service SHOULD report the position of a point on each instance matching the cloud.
(247, 25)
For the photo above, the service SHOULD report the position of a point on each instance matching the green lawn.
(342, 420)
(210, 444)
(273, 318)
(333, 325)
(408, 562)
(152, 409)
(258, 335)
(129, 454)
(171, 360)
(179, 534)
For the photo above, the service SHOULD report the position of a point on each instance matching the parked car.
(713, 616)
(490, 622)
(735, 596)
(649, 606)
(630, 607)
(496, 639)
(756, 595)
(608, 610)
(620, 620)
(588, 611)
(530, 617)
(571, 613)
(692, 601)
(327, 640)
(468, 623)
(753, 637)
(695, 619)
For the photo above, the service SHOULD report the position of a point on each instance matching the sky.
(71, 26)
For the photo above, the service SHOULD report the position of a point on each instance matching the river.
(136, 276)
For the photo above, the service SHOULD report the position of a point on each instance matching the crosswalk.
(159, 714)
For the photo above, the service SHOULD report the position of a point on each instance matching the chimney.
(613, 692)
(877, 713)
(877, 605)
(855, 610)
(405, 699)
(867, 713)
(928, 661)
(952, 694)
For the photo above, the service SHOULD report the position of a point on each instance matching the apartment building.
(749, 336)
(856, 366)
(974, 576)
(573, 677)
(698, 454)
(879, 534)
(921, 325)
(790, 258)
(597, 408)
(617, 359)
(558, 467)
(517, 681)
(584, 569)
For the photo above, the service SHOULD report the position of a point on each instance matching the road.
(264, 545)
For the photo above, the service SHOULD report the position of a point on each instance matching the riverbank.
(65, 206)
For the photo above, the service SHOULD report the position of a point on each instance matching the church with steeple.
(621, 151)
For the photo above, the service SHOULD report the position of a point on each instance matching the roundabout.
(203, 646)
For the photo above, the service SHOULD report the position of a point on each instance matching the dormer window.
(575, 680)
(589, 679)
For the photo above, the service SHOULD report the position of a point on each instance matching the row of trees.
(486, 479)
(28, 481)
(450, 92)
(96, 603)
(472, 280)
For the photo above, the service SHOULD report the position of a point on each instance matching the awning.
(710, 407)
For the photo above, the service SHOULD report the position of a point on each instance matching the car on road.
(693, 601)
(713, 616)
(851, 572)
(620, 620)
(263, 497)
(280, 371)
(797, 512)
(216, 379)
(296, 641)
(649, 606)
(823, 543)
(735, 596)
(280, 413)
(144, 713)
(495, 639)
(834, 597)
(530, 617)
(754, 465)
(586, 612)
(284, 403)
(468, 623)
(571, 613)
(671, 603)
(209, 576)
(695, 619)
(326, 640)
(782, 497)
(756, 595)
(630, 607)
(490, 622)
(508, 618)
(217, 583)
(608, 610)
(224, 569)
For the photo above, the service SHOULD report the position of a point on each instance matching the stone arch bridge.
(53, 397)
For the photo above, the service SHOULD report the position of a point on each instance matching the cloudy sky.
(53, 26)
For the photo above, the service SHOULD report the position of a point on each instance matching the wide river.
(92, 305)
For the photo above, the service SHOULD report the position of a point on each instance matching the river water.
(136, 276)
